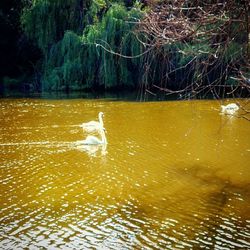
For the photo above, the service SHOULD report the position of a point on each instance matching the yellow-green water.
(174, 175)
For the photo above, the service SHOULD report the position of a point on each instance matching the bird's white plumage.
(229, 108)
(93, 126)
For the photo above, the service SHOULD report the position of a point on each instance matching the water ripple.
(155, 187)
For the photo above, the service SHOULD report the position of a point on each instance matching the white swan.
(93, 125)
(92, 140)
(229, 109)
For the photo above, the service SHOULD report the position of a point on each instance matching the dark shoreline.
(130, 95)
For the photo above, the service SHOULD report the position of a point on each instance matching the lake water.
(174, 175)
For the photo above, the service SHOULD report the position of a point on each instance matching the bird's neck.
(100, 120)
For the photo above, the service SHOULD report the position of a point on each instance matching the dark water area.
(69, 95)
(114, 95)
(155, 93)
(126, 95)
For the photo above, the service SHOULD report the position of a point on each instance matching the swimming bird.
(93, 140)
(93, 126)
(229, 109)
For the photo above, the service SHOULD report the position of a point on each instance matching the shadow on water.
(206, 219)
(115, 95)
(122, 94)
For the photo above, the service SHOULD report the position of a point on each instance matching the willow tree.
(76, 38)
(63, 69)
(45, 21)
(110, 47)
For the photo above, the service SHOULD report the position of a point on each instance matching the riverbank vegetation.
(188, 48)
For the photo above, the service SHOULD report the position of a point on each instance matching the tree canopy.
(172, 46)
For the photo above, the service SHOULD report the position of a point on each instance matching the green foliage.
(231, 82)
(233, 52)
(95, 11)
(63, 69)
(105, 40)
(11, 83)
(186, 52)
(92, 60)
(45, 21)
(92, 44)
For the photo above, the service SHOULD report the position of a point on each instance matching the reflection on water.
(174, 175)
(92, 150)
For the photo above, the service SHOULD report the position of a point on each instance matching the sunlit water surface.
(174, 175)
